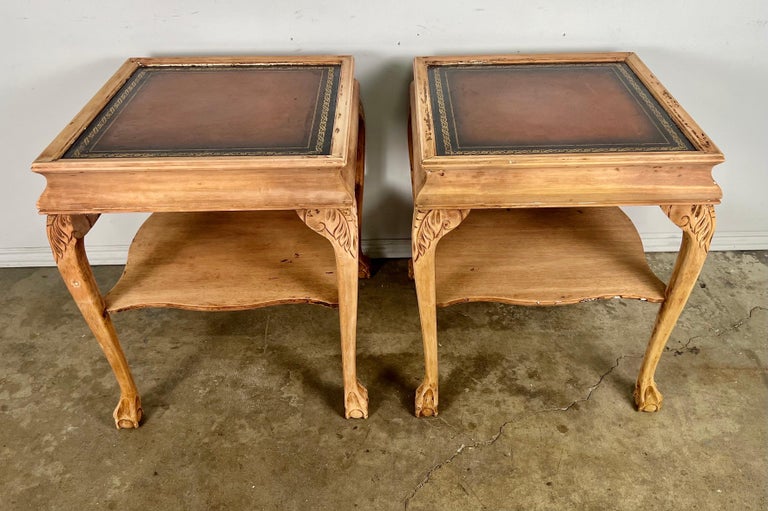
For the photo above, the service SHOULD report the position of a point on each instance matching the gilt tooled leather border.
(448, 144)
(319, 142)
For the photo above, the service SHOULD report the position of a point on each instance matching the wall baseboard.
(378, 248)
(724, 241)
(41, 256)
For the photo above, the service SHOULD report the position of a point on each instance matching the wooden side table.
(232, 156)
(545, 148)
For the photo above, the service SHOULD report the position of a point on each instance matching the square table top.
(228, 110)
(594, 113)
(547, 108)
(185, 133)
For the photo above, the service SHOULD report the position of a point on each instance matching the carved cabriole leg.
(340, 227)
(65, 234)
(428, 227)
(698, 224)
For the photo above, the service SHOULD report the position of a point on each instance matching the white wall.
(712, 55)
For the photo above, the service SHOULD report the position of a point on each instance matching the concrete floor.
(244, 410)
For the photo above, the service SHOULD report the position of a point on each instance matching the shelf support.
(66, 235)
(340, 227)
(697, 222)
(429, 226)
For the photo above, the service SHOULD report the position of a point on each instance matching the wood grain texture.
(188, 189)
(428, 228)
(267, 60)
(559, 179)
(224, 234)
(544, 228)
(66, 234)
(225, 261)
(692, 130)
(59, 145)
(431, 225)
(64, 230)
(698, 225)
(340, 227)
(204, 183)
(533, 58)
(545, 186)
(342, 121)
(549, 256)
(426, 400)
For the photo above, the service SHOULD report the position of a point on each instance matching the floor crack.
(429, 473)
(685, 348)
(592, 388)
(718, 333)
(740, 323)
(461, 449)
(485, 443)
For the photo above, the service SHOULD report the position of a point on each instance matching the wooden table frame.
(447, 188)
(325, 191)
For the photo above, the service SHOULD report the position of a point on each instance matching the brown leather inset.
(231, 109)
(518, 107)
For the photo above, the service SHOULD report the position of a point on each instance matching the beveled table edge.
(50, 159)
(706, 151)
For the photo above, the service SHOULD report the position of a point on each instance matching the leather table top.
(251, 110)
(547, 108)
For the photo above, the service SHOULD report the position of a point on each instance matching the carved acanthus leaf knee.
(63, 230)
(339, 226)
(431, 225)
(697, 220)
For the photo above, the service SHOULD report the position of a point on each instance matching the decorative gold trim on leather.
(657, 117)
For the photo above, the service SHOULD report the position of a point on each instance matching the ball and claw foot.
(648, 398)
(356, 403)
(426, 400)
(128, 412)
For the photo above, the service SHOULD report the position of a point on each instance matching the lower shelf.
(547, 256)
(225, 261)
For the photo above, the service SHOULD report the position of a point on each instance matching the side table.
(231, 156)
(543, 149)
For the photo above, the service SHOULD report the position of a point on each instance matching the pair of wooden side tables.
(236, 157)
